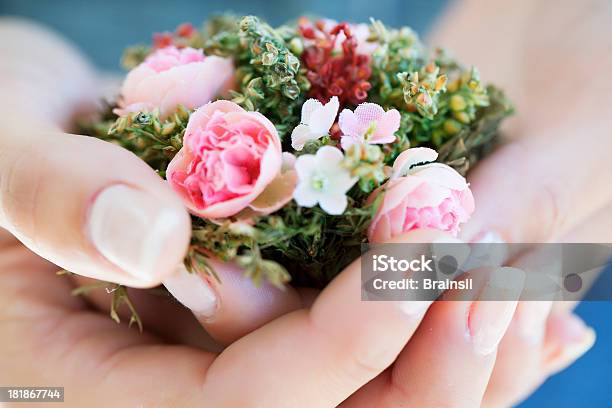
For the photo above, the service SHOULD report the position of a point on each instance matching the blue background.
(102, 29)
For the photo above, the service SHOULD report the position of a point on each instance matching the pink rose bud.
(170, 77)
(420, 195)
(229, 157)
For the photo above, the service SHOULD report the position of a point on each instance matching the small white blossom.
(316, 121)
(322, 180)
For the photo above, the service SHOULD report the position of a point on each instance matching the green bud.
(296, 46)
(142, 119)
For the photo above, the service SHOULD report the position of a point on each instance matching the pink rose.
(170, 77)
(229, 157)
(420, 196)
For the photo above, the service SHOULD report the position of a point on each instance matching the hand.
(93, 208)
(310, 357)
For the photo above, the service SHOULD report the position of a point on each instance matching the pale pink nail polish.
(193, 291)
(136, 232)
(489, 319)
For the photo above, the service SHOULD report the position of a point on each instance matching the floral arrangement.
(292, 146)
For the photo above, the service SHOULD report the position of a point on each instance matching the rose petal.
(410, 157)
(278, 193)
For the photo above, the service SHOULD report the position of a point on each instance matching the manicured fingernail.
(491, 314)
(414, 308)
(488, 237)
(488, 249)
(531, 319)
(193, 291)
(136, 232)
(576, 338)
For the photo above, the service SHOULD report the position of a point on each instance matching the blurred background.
(102, 28)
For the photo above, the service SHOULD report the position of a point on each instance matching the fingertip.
(567, 339)
(143, 236)
(234, 305)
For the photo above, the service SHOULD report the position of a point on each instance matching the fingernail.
(414, 308)
(491, 314)
(136, 232)
(575, 340)
(193, 291)
(488, 249)
(488, 237)
(531, 319)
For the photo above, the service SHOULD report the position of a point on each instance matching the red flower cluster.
(166, 39)
(331, 73)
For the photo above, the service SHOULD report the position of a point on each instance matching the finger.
(234, 305)
(159, 313)
(535, 190)
(49, 337)
(518, 366)
(322, 355)
(523, 365)
(449, 360)
(567, 339)
(90, 207)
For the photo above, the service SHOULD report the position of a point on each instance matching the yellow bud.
(453, 86)
(451, 126)
(462, 117)
(440, 82)
(457, 103)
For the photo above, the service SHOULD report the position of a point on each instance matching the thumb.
(90, 207)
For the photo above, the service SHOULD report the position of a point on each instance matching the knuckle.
(19, 186)
(552, 208)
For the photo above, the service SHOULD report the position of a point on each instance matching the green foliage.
(442, 105)
(154, 140)
(268, 72)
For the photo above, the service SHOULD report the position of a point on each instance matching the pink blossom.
(421, 196)
(368, 124)
(229, 157)
(170, 77)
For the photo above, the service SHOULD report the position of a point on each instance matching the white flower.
(323, 180)
(316, 121)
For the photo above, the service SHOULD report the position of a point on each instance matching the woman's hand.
(94, 208)
(339, 349)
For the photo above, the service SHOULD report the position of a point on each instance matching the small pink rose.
(369, 123)
(229, 157)
(170, 77)
(420, 196)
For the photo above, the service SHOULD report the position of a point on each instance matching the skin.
(336, 345)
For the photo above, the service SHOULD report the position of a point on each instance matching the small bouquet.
(292, 146)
